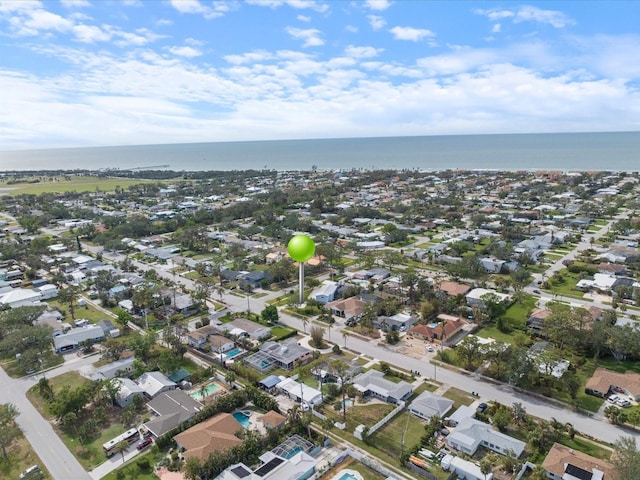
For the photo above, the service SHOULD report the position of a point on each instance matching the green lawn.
(86, 311)
(131, 471)
(493, 332)
(20, 456)
(587, 446)
(281, 331)
(459, 397)
(516, 314)
(389, 437)
(78, 184)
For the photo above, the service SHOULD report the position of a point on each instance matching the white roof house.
(471, 433)
(428, 404)
(474, 297)
(463, 468)
(293, 389)
(155, 383)
(326, 292)
(75, 336)
(128, 390)
(373, 383)
(273, 467)
(19, 297)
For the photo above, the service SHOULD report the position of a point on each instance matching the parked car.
(31, 473)
(144, 443)
(623, 402)
(613, 398)
(482, 407)
(429, 348)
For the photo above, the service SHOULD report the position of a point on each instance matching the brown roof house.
(536, 319)
(452, 326)
(563, 462)
(604, 381)
(213, 435)
(351, 307)
(453, 289)
(273, 419)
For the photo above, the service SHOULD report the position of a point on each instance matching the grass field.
(20, 456)
(389, 438)
(459, 397)
(78, 184)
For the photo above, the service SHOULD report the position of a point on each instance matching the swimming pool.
(242, 418)
(433, 325)
(233, 353)
(208, 390)
(348, 475)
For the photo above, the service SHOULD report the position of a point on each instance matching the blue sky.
(86, 72)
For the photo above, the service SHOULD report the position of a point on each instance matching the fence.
(358, 431)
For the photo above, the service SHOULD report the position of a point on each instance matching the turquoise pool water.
(242, 419)
(233, 353)
(348, 476)
(433, 325)
(293, 453)
(208, 390)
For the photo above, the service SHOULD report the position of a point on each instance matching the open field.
(404, 425)
(69, 184)
(20, 456)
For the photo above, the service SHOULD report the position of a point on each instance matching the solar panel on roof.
(578, 472)
(240, 471)
(269, 466)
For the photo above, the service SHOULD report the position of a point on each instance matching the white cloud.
(303, 18)
(250, 57)
(195, 7)
(90, 34)
(75, 3)
(528, 13)
(310, 37)
(377, 4)
(376, 22)
(411, 34)
(188, 52)
(297, 4)
(496, 28)
(362, 52)
(351, 29)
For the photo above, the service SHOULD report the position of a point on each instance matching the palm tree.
(344, 337)
(485, 467)
(305, 320)
(230, 377)
(519, 413)
(121, 447)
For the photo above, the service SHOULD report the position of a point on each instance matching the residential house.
(352, 307)
(399, 321)
(155, 383)
(537, 318)
(471, 434)
(170, 409)
(75, 336)
(47, 291)
(373, 383)
(108, 328)
(275, 466)
(243, 328)
(255, 278)
(453, 289)
(127, 391)
(198, 338)
(273, 419)
(300, 393)
(476, 297)
(183, 304)
(325, 293)
(286, 354)
(448, 327)
(119, 368)
(20, 297)
(428, 404)
(220, 344)
(604, 381)
(216, 434)
(563, 463)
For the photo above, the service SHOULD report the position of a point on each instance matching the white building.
(20, 297)
(428, 404)
(74, 337)
(155, 383)
(298, 392)
(48, 291)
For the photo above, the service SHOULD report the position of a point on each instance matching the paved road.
(52, 451)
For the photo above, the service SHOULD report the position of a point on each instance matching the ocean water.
(559, 151)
